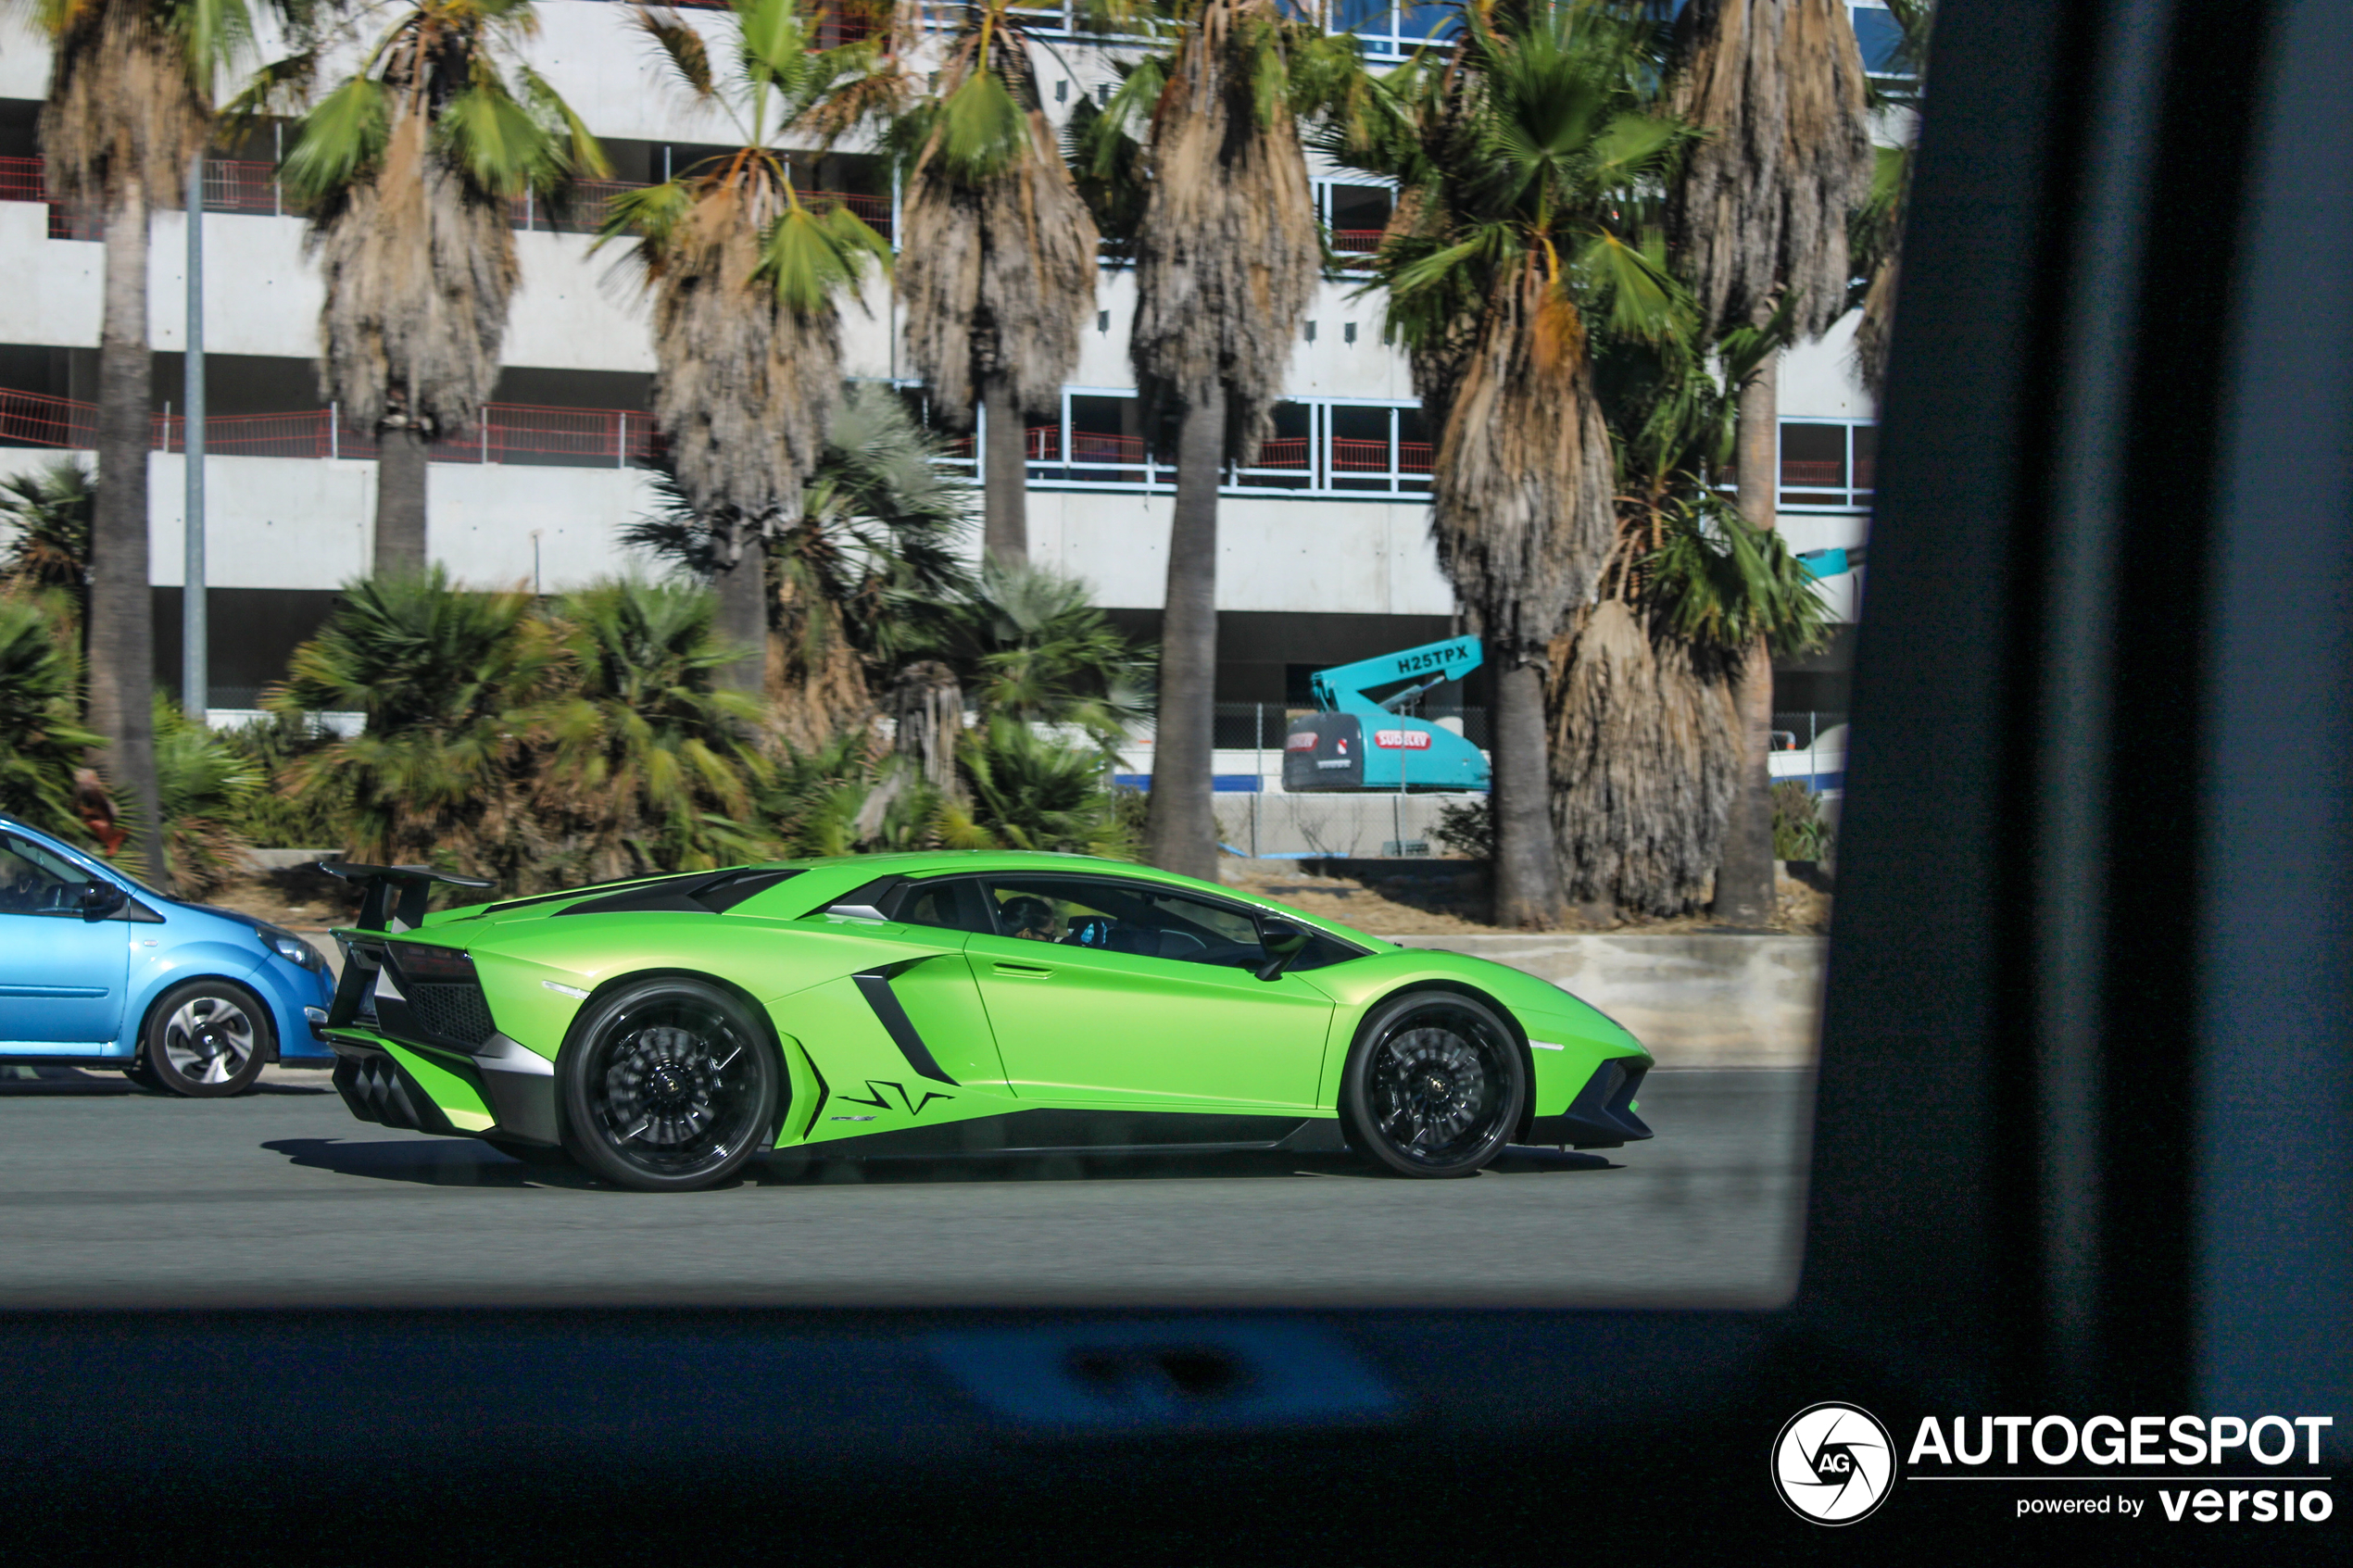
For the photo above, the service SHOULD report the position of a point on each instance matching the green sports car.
(661, 1031)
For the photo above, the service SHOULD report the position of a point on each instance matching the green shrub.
(1800, 831)
(318, 818)
(42, 739)
(1467, 827)
(1032, 793)
(204, 784)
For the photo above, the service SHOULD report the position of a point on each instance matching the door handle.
(1027, 970)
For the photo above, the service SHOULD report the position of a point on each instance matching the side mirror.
(1283, 942)
(100, 899)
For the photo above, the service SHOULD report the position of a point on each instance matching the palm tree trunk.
(1180, 833)
(742, 587)
(1527, 873)
(121, 629)
(1744, 874)
(1004, 473)
(400, 500)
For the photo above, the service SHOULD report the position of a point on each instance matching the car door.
(61, 976)
(1130, 993)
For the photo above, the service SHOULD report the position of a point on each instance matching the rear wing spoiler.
(392, 897)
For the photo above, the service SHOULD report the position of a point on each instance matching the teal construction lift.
(1356, 743)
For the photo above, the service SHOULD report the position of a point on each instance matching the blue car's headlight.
(293, 949)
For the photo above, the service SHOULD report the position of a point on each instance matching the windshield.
(1510, 621)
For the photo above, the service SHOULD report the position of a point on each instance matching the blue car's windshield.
(72, 865)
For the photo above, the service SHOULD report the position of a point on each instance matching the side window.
(1122, 917)
(1321, 952)
(34, 883)
(952, 905)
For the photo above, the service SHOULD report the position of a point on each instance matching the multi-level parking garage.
(1326, 551)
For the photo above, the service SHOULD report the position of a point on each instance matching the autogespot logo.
(1833, 1463)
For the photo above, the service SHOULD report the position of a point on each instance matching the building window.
(1318, 448)
(1827, 465)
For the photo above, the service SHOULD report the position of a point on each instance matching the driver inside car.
(1033, 919)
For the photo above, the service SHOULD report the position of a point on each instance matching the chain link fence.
(1340, 826)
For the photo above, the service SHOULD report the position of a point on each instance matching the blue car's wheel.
(668, 1085)
(206, 1039)
(1434, 1086)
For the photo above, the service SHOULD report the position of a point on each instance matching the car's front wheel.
(668, 1085)
(1434, 1086)
(206, 1039)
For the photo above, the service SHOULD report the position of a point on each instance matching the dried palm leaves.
(997, 264)
(1763, 204)
(1227, 255)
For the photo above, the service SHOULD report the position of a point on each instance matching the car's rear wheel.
(1434, 1085)
(206, 1039)
(668, 1085)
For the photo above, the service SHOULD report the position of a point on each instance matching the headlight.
(293, 949)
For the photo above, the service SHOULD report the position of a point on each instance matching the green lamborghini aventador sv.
(661, 1031)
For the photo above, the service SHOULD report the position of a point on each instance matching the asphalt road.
(111, 1196)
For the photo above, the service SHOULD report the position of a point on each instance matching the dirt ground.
(1386, 897)
(1449, 897)
(303, 899)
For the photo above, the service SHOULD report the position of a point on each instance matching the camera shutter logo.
(1833, 1463)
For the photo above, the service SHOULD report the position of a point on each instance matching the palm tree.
(1227, 254)
(1025, 642)
(645, 764)
(746, 278)
(48, 515)
(996, 252)
(856, 577)
(1760, 218)
(1647, 743)
(42, 739)
(441, 675)
(1522, 156)
(206, 782)
(1875, 237)
(1031, 793)
(407, 168)
(130, 99)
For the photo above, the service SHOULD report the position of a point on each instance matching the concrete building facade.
(1325, 551)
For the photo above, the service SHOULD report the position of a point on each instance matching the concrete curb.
(1696, 999)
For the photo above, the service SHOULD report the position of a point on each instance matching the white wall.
(292, 523)
(53, 285)
(1817, 378)
(1366, 557)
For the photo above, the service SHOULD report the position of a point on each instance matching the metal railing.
(251, 186)
(1320, 463)
(506, 432)
(1803, 731)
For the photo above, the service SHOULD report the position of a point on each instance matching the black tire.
(205, 1039)
(1434, 1085)
(538, 1156)
(668, 1085)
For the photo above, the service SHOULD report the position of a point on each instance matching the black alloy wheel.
(1434, 1086)
(205, 1039)
(668, 1085)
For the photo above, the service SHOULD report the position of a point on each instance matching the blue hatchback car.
(97, 970)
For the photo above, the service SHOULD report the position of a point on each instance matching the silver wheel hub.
(208, 1039)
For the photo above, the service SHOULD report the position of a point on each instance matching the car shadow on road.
(441, 1163)
(794, 1168)
(73, 1083)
